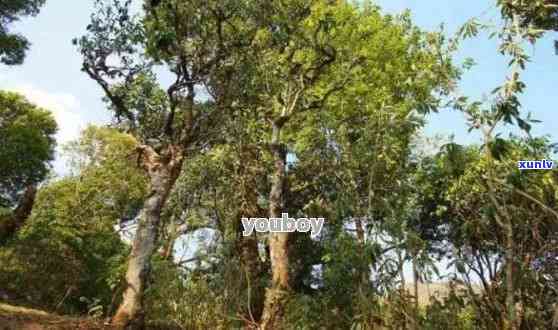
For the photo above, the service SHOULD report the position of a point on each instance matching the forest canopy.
(224, 110)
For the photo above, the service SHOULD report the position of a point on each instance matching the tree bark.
(555, 317)
(510, 315)
(277, 295)
(10, 224)
(364, 267)
(415, 293)
(510, 285)
(163, 172)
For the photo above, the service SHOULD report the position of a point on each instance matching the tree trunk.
(163, 172)
(504, 221)
(510, 287)
(364, 267)
(277, 295)
(415, 293)
(555, 317)
(401, 271)
(10, 224)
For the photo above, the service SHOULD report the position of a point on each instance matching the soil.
(21, 318)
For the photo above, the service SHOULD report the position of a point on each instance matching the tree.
(480, 247)
(293, 51)
(212, 195)
(14, 46)
(531, 19)
(196, 43)
(72, 228)
(27, 135)
(316, 68)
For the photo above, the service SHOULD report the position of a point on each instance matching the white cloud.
(63, 106)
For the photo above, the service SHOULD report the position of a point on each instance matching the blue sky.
(541, 76)
(52, 78)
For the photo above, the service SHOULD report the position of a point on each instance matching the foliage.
(341, 91)
(27, 135)
(475, 222)
(13, 46)
(539, 14)
(72, 228)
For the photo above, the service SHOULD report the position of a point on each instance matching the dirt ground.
(20, 318)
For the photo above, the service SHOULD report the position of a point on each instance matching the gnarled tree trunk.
(277, 295)
(10, 224)
(163, 171)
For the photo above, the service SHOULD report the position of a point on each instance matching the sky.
(51, 76)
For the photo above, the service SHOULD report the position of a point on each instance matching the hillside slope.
(21, 318)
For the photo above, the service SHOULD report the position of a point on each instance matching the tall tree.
(531, 18)
(291, 54)
(195, 41)
(311, 55)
